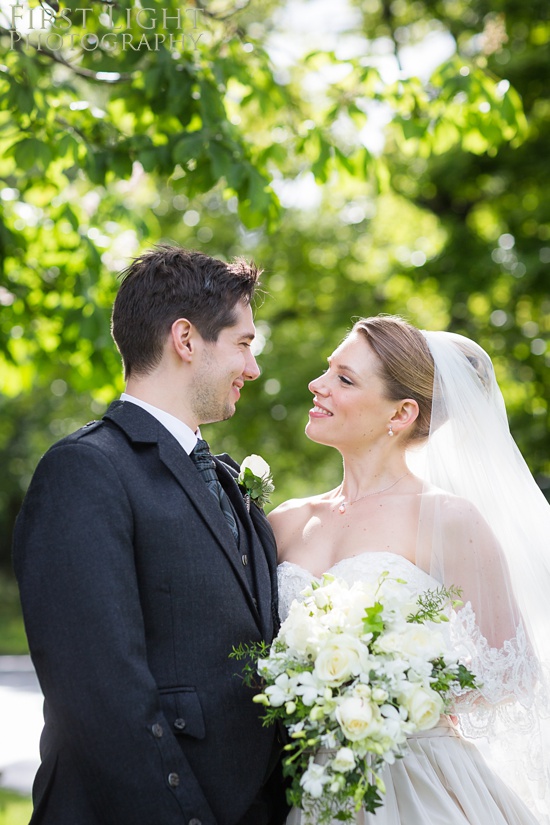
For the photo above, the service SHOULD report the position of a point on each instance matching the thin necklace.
(342, 506)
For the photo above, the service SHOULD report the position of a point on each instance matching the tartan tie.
(206, 466)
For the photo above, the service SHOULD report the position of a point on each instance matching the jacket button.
(194, 822)
(157, 731)
(244, 559)
(173, 780)
(180, 724)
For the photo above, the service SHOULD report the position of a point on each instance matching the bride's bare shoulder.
(294, 507)
(293, 513)
(451, 506)
(459, 518)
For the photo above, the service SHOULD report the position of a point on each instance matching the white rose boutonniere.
(255, 477)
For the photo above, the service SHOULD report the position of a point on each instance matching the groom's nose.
(251, 369)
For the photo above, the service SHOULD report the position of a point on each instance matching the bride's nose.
(318, 386)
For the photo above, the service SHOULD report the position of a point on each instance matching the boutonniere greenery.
(255, 478)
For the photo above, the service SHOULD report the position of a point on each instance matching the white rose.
(296, 630)
(379, 695)
(339, 659)
(425, 642)
(398, 597)
(390, 642)
(332, 591)
(356, 718)
(363, 691)
(344, 760)
(335, 620)
(424, 707)
(416, 641)
(361, 596)
(256, 465)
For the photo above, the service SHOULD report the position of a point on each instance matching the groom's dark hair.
(167, 283)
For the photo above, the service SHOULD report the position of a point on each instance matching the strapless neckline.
(366, 553)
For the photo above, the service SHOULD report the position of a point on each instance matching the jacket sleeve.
(74, 559)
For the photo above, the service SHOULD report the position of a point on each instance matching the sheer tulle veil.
(484, 526)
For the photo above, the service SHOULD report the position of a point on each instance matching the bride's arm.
(472, 559)
(488, 629)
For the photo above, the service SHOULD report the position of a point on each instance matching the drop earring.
(390, 431)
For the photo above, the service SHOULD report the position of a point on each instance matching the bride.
(435, 491)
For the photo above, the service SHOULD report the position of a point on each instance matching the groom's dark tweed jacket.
(134, 594)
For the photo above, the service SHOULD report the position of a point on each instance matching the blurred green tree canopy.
(373, 156)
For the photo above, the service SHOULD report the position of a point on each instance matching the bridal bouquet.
(354, 670)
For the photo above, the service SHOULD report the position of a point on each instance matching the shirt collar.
(183, 434)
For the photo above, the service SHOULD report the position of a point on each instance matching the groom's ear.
(183, 334)
(405, 415)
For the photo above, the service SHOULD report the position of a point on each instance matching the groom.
(140, 568)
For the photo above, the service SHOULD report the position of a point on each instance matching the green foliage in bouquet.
(353, 672)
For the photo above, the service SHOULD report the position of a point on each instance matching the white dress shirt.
(183, 434)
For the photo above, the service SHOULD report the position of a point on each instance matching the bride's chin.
(317, 437)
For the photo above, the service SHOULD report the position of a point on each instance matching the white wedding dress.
(443, 779)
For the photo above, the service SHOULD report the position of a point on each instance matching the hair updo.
(406, 364)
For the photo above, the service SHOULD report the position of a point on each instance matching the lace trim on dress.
(511, 671)
(511, 700)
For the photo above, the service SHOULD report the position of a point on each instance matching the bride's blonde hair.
(406, 364)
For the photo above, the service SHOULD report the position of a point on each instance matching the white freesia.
(281, 691)
(350, 674)
(308, 687)
(257, 465)
(314, 779)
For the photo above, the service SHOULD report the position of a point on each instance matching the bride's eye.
(345, 380)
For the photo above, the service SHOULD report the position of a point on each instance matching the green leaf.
(189, 146)
(71, 217)
(24, 152)
(121, 163)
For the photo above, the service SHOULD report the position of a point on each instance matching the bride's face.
(350, 405)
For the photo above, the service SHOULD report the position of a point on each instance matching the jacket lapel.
(261, 543)
(141, 427)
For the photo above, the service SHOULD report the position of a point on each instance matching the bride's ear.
(404, 416)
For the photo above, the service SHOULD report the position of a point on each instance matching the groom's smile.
(225, 366)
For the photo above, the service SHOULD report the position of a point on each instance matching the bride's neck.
(369, 473)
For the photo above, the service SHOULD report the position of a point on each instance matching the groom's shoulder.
(98, 434)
